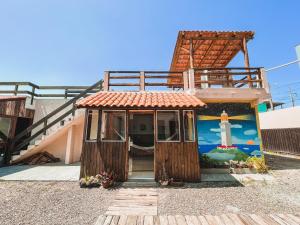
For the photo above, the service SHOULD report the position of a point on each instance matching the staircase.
(26, 142)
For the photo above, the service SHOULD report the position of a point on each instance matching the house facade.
(200, 113)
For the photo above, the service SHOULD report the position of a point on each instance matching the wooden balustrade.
(194, 78)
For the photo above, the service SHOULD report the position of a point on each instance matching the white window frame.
(125, 126)
(156, 125)
(188, 110)
(86, 127)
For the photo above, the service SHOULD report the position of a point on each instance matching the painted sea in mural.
(228, 132)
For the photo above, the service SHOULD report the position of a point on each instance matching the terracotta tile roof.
(140, 99)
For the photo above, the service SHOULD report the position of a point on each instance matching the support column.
(106, 81)
(191, 79)
(246, 60)
(185, 80)
(70, 145)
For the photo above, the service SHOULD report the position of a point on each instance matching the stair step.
(14, 157)
(31, 147)
(37, 142)
(130, 183)
(22, 152)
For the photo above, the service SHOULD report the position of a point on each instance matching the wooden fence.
(285, 140)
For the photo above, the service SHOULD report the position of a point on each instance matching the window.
(4, 127)
(168, 126)
(188, 125)
(113, 126)
(92, 125)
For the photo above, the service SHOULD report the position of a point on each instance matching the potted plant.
(107, 179)
(90, 181)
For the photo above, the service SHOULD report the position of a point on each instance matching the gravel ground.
(279, 196)
(51, 203)
(65, 203)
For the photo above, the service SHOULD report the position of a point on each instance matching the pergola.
(209, 49)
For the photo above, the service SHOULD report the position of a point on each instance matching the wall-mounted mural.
(228, 131)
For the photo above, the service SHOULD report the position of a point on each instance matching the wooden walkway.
(134, 201)
(224, 219)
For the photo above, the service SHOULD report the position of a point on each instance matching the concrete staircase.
(41, 142)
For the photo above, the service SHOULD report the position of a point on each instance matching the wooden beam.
(184, 49)
(142, 81)
(191, 54)
(206, 52)
(222, 51)
(246, 60)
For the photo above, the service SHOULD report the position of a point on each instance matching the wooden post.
(246, 60)
(16, 89)
(32, 95)
(106, 81)
(45, 124)
(191, 54)
(185, 81)
(142, 81)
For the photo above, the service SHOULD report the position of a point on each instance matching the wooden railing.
(142, 80)
(33, 90)
(193, 78)
(228, 77)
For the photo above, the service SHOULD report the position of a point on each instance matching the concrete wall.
(281, 118)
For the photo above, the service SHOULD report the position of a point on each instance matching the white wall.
(281, 118)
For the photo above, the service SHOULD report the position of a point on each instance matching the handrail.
(47, 117)
(67, 91)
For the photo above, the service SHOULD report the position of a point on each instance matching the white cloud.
(250, 132)
(238, 126)
(215, 129)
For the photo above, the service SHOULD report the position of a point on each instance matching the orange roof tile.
(140, 99)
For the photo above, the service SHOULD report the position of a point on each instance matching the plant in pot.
(107, 179)
(164, 178)
(90, 181)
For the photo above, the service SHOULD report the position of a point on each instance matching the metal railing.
(35, 91)
(24, 137)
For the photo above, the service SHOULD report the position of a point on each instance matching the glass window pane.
(113, 126)
(168, 126)
(189, 128)
(4, 127)
(92, 125)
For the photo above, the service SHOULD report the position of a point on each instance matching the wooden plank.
(203, 220)
(277, 219)
(294, 218)
(287, 219)
(163, 220)
(180, 220)
(122, 220)
(258, 219)
(115, 220)
(131, 220)
(156, 220)
(226, 220)
(148, 220)
(140, 220)
(107, 221)
(100, 220)
(172, 220)
(246, 219)
(191, 220)
(235, 219)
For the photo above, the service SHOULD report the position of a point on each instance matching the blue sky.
(72, 42)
